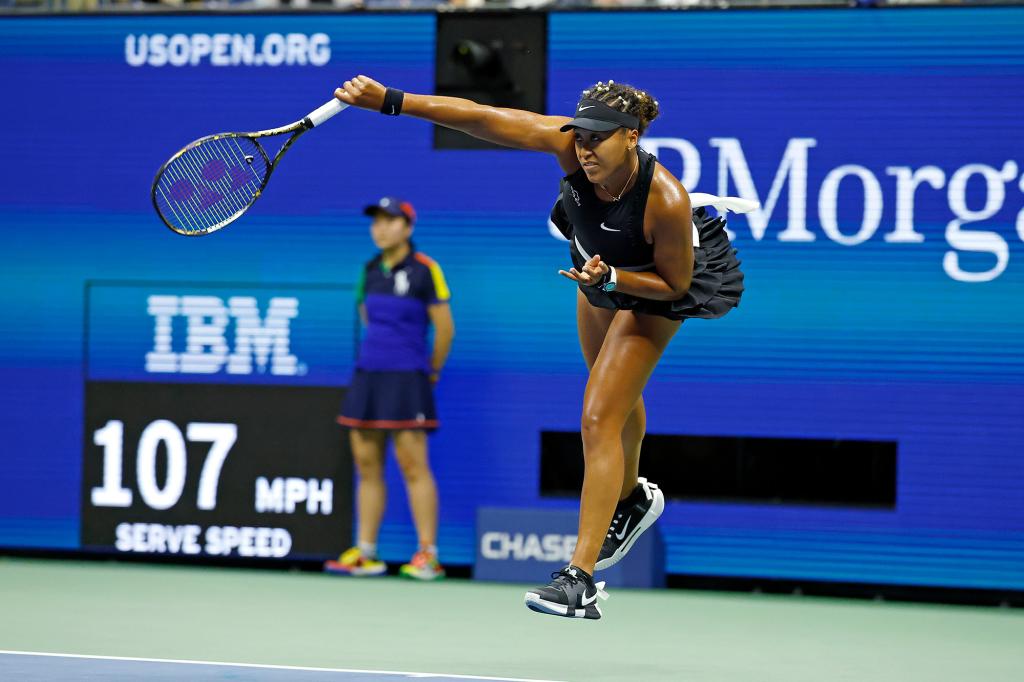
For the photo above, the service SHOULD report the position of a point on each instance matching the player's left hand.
(592, 272)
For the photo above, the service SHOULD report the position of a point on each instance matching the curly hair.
(625, 98)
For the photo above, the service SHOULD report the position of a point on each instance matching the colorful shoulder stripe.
(440, 285)
(361, 287)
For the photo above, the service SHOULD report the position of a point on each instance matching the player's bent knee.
(598, 424)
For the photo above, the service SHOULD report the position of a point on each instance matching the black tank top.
(613, 229)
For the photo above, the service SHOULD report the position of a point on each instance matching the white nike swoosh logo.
(589, 107)
(610, 229)
(619, 536)
(588, 601)
(392, 109)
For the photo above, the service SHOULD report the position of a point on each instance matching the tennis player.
(402, 292)
(643, 260)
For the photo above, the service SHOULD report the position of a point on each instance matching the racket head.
(210, 183)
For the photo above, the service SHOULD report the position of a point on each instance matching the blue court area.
(45, 667)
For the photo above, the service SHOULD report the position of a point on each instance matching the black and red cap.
(392, 206)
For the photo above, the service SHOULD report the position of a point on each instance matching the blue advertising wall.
(884, 270)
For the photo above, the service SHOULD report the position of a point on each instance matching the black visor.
(598, 116)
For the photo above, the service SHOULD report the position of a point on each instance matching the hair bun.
(625, 98)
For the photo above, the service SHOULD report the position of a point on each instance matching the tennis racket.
(211, 182)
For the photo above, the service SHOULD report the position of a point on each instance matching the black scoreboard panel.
(255, 472)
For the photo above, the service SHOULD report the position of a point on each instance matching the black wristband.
(392, 102)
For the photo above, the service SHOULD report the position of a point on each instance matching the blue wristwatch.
(610, 281)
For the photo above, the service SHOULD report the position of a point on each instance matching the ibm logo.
(206, 344)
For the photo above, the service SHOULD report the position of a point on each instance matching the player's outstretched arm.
(509, 127)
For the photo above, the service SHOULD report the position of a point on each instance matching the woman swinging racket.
(643, 261)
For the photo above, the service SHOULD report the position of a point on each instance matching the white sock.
(369, 549)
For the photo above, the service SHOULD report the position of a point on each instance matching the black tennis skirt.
(715, 289)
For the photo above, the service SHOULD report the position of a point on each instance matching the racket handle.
(321, 114)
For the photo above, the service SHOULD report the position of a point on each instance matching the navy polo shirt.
(396, 303)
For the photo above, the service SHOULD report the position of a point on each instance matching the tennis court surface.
(111, 621)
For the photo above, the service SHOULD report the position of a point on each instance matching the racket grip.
(321, 114)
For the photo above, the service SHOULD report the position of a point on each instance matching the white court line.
(5, 652)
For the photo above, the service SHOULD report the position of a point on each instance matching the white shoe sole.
(652, 515)
(358, 572)
(534, 602)
(423, 577)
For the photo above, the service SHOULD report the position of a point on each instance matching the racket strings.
(218, 179)
(210, 183)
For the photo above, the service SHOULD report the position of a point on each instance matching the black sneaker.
(572, 594)
(633, 516)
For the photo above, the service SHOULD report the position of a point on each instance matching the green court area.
(460, 627)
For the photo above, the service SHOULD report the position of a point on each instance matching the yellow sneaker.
(422, 566)
(353, 562)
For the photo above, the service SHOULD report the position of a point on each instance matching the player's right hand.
(590, 274)
(362, 92)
